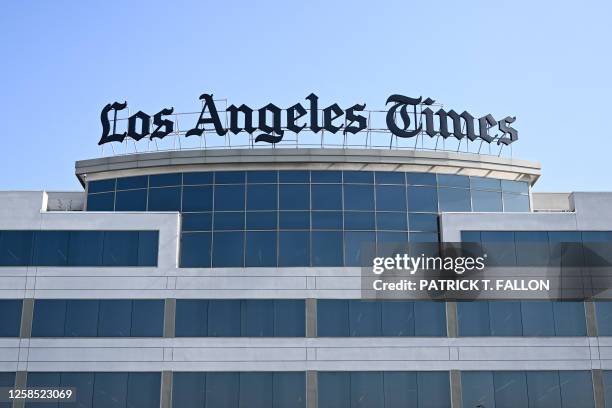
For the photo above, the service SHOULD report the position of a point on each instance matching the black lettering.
(351, 117)
(276, 124)
(114, 137)
(145, 123)
(507, 130)
(331, 113)
(314, 112)
(292, 117)
(248, 119)
(167, 124)
(401, 102)
(209, 104)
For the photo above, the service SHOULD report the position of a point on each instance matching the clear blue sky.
(548, 64)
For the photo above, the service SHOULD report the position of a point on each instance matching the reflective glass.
(147, 318)
(143, 390)
(100, 186)
(543, 389)
(532, 248)
(334, 389)
(477, 389)
(262, 177)
(505, 318)
(423, 222)
(262, 197)
(486, 201)
(603, 311)
(510, 389)
(228, 249)
(332, 318)
(326, 196)
(255, 390)
(454, 199)
(569, 318)
(260, 248)
(289, 318)
(197, 198)
(389, 177)
(359, 220)
(16, 248)
(131, 200)
(258, 318)
(10, 316)
(359, 197)
(120, 248)
(228, 221)
(191, 318)
(49, 318)
(473, 318)
(81, 318)
(110, 390)
(538, 319)
(516, 203)
(294, 220)
(188, 390)
(230, 177)
(294, 176)
(484, 183)
(83, 383)
(434, 389)
(294, 196)
(421, 179)
(365, 318)
(360, 177)
(101, 202)
(453, 180)
(327, 248)
(289, 390)
(400, 389)
(359, 247)
(224, 318)
(391, 221)
(131, 183)
(196, 221)
(390, 198)
(576, 389)
(367, 389)
(165, 199)
(397, 318)
(198, 178)
(163, 180)
(222, 390)
(195, 250)
(261, 220)
(115, 318)
(326, 220)
(326, 176)
(422, 199)
(515, 186)
(51, 248)
(229, 198)
(430, 319)
(293, 248)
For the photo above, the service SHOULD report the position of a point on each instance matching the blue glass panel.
(390, 243)
(421, 179)
(359, 247)
(229, 177)
(400, 388)
(262, 197)
(397, 318)
(120, 248)
(423, 237)
(148, 245)
(499, 247)
(390, 177)
(390, 198)
(576, 389)
(603, 311)
(196, 221)
(326, 248)
(607, 380)
(422, 199)
(261, 220)
(294, 196)
(326, 196)
(293, 248)
(7, 380)
(143, 390)
(359, 220)
(477, 389)
(327, 220)
(165, 199)
(49, 318)
(101, 202)
(430, 319)
(147, 318)
(50, 248)
(222, 390)
(131, 183)
(391, 221)
(470, 236)
(294, 220)
(454, 199)
(228, 249)
(255, 390)
(224, 318)
(229, 198)
(423, 222)
(188, 390)
(101, 186)
(197, 198)
(515, 186)
(289, 390)
(260, 248)
(367, 389)
(543, 389)
(198, 178)
(258, 318)
(110, 390)
(326, 176)
(473, 318)
(334, 390)
(131, 200)
(191, 318)
(40, 380)
(229, 221)
(538, 318)
(505, 318)
(510, 389)
(195, 250)
(332, 318)
(363, 177)
(262, 177)
(294, 176)
(485, 183)
(289, 318)
(115, 318)
(532, 248)
(516, 203)
(486, 201)
(16, 248)
(81, 318)
(365, 318)
(569, 318)
(10, 316)
(84, 385)
(163, 180)
(434, 389)
(453, 180)
(359, 197)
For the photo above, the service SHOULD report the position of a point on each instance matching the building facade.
(231, 278)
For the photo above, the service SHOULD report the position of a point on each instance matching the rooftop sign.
(406, 118)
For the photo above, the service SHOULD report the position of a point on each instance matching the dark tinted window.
(165, 199)
(131, 200)
(10, 316)
(130, 183)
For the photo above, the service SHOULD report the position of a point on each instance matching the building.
(231, 278)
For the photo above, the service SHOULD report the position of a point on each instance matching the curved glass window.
(258, 218)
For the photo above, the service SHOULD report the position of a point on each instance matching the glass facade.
(78, 248)
(10, 317)
(302, 218)
(239, 389)
(7, 379)
(529, 389)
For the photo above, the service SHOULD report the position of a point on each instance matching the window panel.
(258, 318)
(51, 248)
(510, 389)
(390, 177)
(131, 183)
(359, 247)
(332, 318)
(198, 178)
(359, 220)
(393, 221)
(289, 318)
(40, 380)
(229, 198)
(453, 180)
(569, 318)
(49, 318)
(543, 389)
(131, 200)
(327, 248)
(359, 197)
(191, 318)
(262, 197)
(110, 390)
(196, 221)
(294, 176)
(391, 243)
(484, 183)
(228, 221)
(422, 199)
(454, 199)
(515, 186)
(516, 203)
(261, 220)
(576, 389)
(397, 318)
(500, 247)
(163, 180)
(230, 177)
(147, 318)
(115, 318)
(262, 177)
(360, 177)
(84, 385)
(532, 248)
(188, 390)
(143, 390)
(400, 388)
(421, 179)
(255, 390)
(289, 390)
(197, 198)
(607, 381)
(294, 220)
(228, 249)
(537, 318)
(81, 318)
(603, 311)
(222, 390)
(148, 244)
(430, 319)
(10, 316)
(195, 250)
(16, 248)
(120, 248)
(294, 196)
(165, 199)
(434, 389)
(367, 389)
(224, 318)
(423, 222)
(486, 201)
(365, 318)
(100, 186)
(101, 202)
(505, 318)
(390, 198)
(326, 196)
(334, 390)
(477, 389)
(293, 248)
(327, 220)
(473, 318)
(326, 176)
